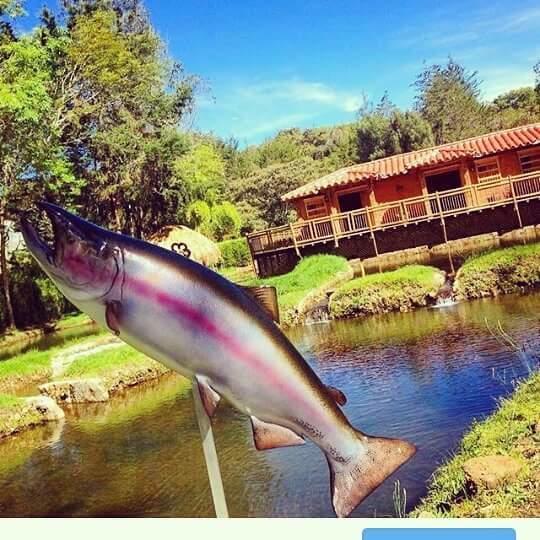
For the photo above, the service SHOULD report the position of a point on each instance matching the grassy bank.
(118, 367)
(16, 415)
(310, 275)
(513, 430)
(399, 290)
(508, 270)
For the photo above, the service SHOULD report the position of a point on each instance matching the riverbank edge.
(513, 430)
(27, 413)
(509, 270)
(8, 340)
(404, 289)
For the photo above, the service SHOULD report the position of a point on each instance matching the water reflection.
(423, 376)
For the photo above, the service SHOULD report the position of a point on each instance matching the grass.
(33, 365)
(242, 275)
(8, 402)
(399, 290)
(73, 320)
(512, 430)
(309, 274)
(502, 271)
(110, 365)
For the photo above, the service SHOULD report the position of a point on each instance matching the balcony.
(498, 192)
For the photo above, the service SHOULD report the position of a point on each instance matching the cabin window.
(315, 207)
(487, 169)
(530, 161)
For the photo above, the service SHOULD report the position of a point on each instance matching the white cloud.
(497, 80)
(299, 91)
(270, 126)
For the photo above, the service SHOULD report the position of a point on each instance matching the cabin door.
(347, 203)
(442, 182)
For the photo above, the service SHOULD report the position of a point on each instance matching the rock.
(491, 471)
(76, 391)
(46, 407)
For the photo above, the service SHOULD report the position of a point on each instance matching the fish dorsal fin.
(339, 397)
(268, 435)
(209, 397)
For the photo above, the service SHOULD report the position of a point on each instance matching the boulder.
(76, 391)
(491, 472)
(46, 407)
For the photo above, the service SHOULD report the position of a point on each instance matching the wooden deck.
(476, 197)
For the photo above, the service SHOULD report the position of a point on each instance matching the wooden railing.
(490, 194)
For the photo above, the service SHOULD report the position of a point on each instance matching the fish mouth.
(42, 247)
(49, 248)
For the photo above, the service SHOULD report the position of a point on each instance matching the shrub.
(235, 252)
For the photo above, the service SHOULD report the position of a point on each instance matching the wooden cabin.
(489, 183)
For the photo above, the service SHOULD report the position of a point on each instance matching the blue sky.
(275, 64)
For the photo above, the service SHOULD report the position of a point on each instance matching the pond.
(422, 376)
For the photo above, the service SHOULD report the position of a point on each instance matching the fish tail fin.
(352, 480)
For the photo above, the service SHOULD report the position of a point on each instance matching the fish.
(205, 327)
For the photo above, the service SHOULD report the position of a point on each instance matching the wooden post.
(253, 263)
(210, 454)
(332, 226)
(373, 239)
(516, 205)
(443, 223)
(294, 241)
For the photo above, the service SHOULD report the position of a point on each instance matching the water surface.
(422, 376)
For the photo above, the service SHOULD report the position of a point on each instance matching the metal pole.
(210, 454)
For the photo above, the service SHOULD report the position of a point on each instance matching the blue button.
(439, 534)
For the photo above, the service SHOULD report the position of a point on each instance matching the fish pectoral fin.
(210, 398)
(113, 311)
(266, 435)
(338, 396)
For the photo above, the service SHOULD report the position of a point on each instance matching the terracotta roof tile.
(476, 147)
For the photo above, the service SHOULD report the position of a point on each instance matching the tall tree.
(32, 160)
(447, 96)
(384, 130)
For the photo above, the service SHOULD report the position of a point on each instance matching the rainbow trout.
(201, 325)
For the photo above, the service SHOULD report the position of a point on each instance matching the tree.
(260, 193)
(127, 100)
(202, 169)
(32, 160)
(537, 73)
(385, 130)
(447, 96)
(514, 108)
(226, 221)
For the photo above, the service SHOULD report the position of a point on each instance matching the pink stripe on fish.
(201, 322)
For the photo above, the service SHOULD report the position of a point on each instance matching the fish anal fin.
(113, 311)
(209, 397)
(352, 480)
(267, 436)
(339, 397)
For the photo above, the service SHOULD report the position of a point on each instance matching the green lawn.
(7, 401)
(509, 431)
(501, 271)
(309, 274)
(399, 290)
(107, 364)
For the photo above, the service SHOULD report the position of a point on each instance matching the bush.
(235, 252)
